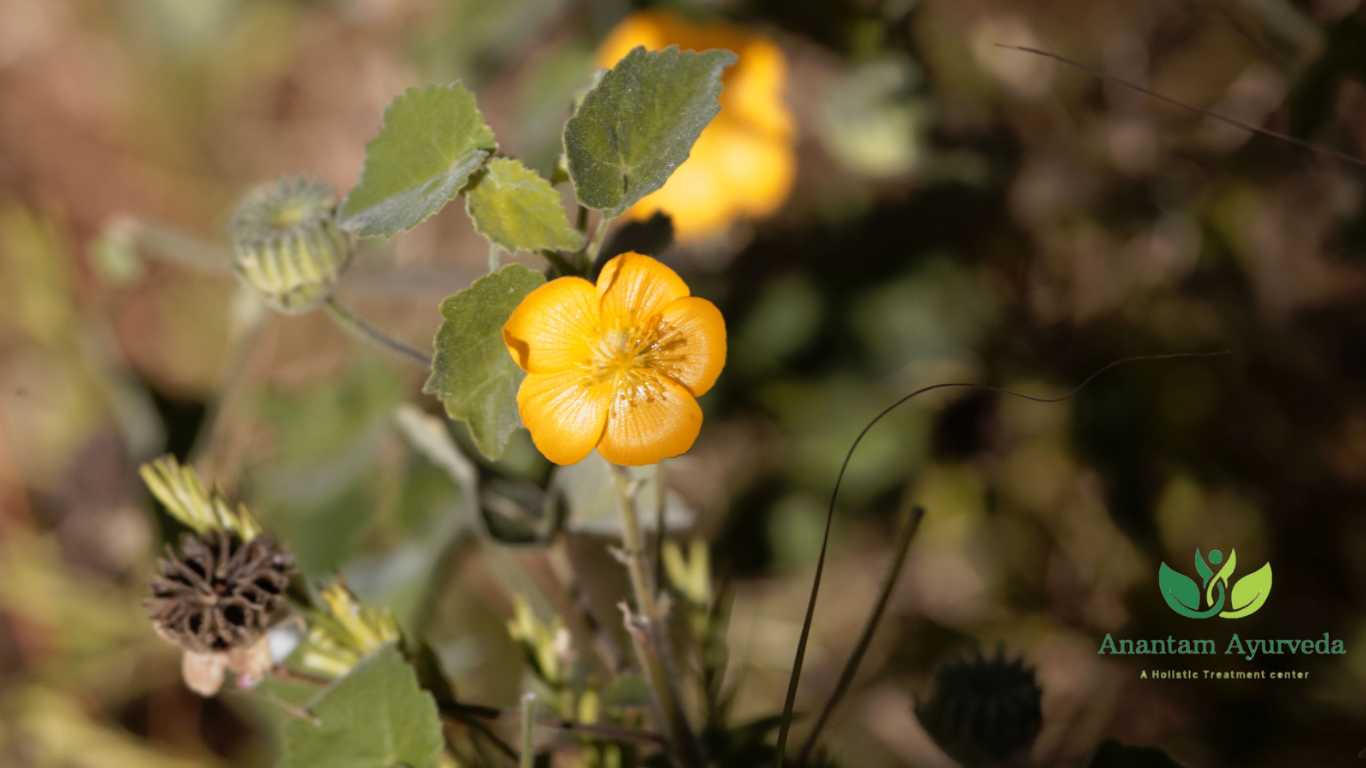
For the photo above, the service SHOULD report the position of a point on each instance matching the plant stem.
(660, 498)
(595, 244)
(359, 326)
(645, 627)
(851, 666)
(527, 747)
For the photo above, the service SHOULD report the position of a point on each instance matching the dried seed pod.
(287, 243)
(984, 711)
(218, 593)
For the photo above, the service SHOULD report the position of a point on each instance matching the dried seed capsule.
(218, 593)
(287, 243)
(984, 711)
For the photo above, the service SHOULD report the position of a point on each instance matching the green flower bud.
(287, 243)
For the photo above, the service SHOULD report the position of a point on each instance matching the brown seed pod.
(218, 593)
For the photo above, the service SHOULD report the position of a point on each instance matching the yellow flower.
(744, 162)
(617, 366)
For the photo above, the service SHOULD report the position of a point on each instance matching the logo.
(1219, 594)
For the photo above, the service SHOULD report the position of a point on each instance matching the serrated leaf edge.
(430, 388)
(474, 221)
(714, 85)
(384, 123)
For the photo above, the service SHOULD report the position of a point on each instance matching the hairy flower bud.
(287, 244)
(984, 711)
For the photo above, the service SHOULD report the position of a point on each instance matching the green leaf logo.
(1217, 589)
(1249, 593)
(1180, 591)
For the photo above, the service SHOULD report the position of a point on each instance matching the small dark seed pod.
(287, 245)
(984, 711)
(218, 593)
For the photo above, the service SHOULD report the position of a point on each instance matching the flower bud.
(984, 711)
(287, 244)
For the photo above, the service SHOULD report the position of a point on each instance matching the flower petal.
(565, 413)
(650, 421)
(692, 343)
(632, 288)
(551, 329)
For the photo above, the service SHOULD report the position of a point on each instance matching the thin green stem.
(527, 747)
(243, 345)
(660, 497)
(595, 244)
(644, 624)
(851, 666)
(177, 247)
(359, 326)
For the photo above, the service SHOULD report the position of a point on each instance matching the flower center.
(630, 359)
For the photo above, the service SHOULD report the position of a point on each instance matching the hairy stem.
(660, 498)
(527, 747)
(359, 326)
(645, 626)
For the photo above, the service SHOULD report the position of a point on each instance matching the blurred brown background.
(959, 212)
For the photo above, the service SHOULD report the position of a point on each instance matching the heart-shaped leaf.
(375, 716)
(433, 139)
(472, 372)
(639, 123)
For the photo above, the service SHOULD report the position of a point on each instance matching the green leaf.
(375, 716)
(472, 372)
(639, 123)
(1249, 593)
(433, 139)
(518, 210)
(1179, 590)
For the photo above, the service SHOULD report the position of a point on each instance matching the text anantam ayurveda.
(1248, 648)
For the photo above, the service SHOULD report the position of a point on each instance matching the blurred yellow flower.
(617, 366)
(744, 162)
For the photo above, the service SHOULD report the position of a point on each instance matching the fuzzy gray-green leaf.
(639, 123)
(375, 716)
(472, 372)
(518, 210)
(433, 139)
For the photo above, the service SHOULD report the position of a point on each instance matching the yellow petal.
(692, 344)
(564, 412)
(550, 330)
(633, 288)
(649, 421)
